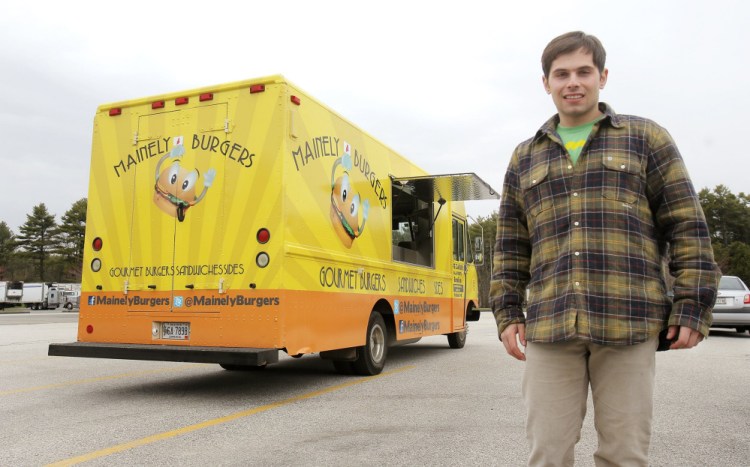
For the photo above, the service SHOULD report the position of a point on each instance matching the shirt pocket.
(537, 193)
(621, 178)
(537, 196)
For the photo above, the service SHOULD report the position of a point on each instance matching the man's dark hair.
(569, 43)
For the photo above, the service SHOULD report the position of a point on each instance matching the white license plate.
(721, 301)
(178, 331)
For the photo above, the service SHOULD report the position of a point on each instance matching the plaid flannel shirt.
(587, 240)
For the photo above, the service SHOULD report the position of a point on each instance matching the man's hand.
(687, 338)
(511, 336)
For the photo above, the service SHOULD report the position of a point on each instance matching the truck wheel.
(229, 367)
(371, 356)
(69, 306)
(457, 340)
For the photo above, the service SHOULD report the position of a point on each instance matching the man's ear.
(603, 78)
(546, 84)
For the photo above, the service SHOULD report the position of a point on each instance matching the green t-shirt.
(575, 137)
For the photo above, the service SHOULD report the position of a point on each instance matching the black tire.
(69, 306)
(229, 367)
(742, 329)
(371, 356)
(457, 340)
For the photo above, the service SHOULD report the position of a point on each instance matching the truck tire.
(69, 306)
(457, 340)
(371, 356)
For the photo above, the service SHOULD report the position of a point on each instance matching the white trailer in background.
(11, 293)
(35, 295)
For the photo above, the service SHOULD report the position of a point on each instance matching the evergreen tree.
(7, 249)
(728, 217)
(70, 236)
(37, 238)
(739, 261)
(727, 214)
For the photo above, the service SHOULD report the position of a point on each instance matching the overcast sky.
(453, 86)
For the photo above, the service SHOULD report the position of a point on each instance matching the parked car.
(732, 309)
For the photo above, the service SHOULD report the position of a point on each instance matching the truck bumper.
(167, 353)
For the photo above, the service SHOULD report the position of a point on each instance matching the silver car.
(732, 309)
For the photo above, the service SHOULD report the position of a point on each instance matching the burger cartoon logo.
(174, 191)
(345, 203)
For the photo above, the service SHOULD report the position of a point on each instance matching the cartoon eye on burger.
(175, 187)
(345, 204)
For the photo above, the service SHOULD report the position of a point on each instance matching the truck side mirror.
(478, 251)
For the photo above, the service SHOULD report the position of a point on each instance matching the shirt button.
(578, 284)
(533, 181)
(575, 194)
(622, 166)
(577, 253)
(570, 167)
(576, 223)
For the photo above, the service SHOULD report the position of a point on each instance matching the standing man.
(590, 206)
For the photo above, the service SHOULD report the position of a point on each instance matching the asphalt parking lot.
(432, 406)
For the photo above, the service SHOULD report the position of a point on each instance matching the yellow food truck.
(230, 222)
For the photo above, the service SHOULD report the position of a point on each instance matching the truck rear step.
(167, 353)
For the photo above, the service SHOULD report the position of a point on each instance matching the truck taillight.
(206, 96)
(158, 105)
(263, 236)
(96, 265)
(115, 112)
(295, 100)
(262, 259)
(97, 244)
(255, 88)
(181, 101)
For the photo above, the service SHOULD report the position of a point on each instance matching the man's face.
(574, 82)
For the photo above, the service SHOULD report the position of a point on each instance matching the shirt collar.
(550, 126)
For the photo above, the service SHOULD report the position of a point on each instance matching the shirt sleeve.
(680, 220)
(512, 254)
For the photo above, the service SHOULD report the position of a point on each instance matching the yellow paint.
(217, 421)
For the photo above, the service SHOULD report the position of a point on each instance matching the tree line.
(727, 214)
(44, 250)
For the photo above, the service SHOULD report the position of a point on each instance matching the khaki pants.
(555, 389)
